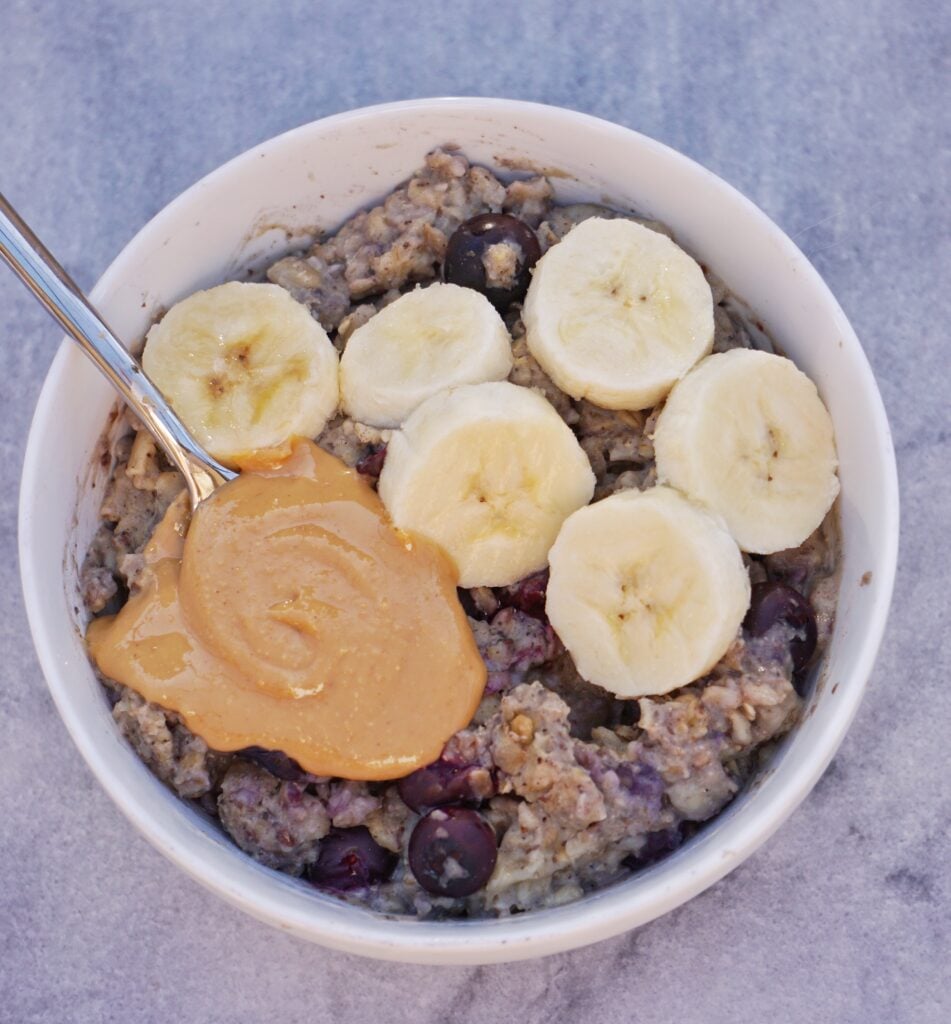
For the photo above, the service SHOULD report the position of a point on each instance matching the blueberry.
(468, 246)
(443, 782)
(657, 845)
(350, 858)
(452, 852)
(772, 603)
(628, 712)
(275, 761)
(528, 595)
(371, 464)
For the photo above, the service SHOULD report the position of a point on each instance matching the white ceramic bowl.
(317, 175)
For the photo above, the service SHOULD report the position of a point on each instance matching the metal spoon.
(63, 300)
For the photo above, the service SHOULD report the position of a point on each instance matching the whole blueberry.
(444, 782)
(493, 254)
(452, 852)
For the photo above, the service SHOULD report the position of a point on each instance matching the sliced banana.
(617, 313)
(647, 591)
(489, 472)
(746, 434)
(245, 367)
(424, 342)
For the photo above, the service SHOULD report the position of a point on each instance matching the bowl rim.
(274, 898)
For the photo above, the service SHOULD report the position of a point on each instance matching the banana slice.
(647, 591)
(489, 472)
(746, 434)
(617, 313)
(245, 366)
(424, 342)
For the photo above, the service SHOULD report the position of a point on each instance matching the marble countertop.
(832, 115)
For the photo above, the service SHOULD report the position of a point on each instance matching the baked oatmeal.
(556, 786)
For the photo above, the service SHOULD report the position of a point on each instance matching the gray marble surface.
(833, 116)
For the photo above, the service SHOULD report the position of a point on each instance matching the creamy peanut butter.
(292, 615)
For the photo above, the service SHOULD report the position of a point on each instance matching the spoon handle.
(64, 301)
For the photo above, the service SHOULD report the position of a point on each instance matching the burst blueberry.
(350, 858)
(773, 603)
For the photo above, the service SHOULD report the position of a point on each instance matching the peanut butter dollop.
(293, 616)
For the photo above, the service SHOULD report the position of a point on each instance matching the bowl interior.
(283, 192)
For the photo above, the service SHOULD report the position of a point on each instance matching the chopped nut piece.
(523, 728)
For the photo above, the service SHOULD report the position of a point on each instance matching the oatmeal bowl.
(559, 555)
